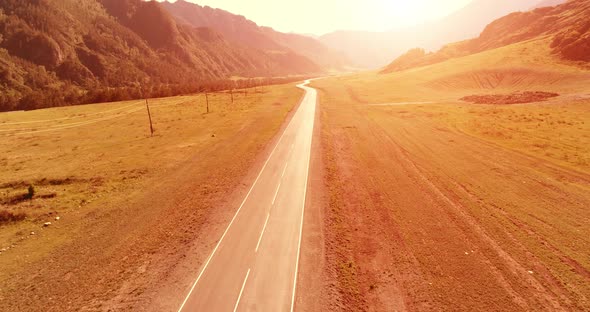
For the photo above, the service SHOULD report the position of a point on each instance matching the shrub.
(7, 216)
(30, 192)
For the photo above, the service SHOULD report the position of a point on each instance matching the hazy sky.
(323, 16)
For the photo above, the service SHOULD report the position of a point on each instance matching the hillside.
(62, 52)
(239, 29)
(567, 25)
(375, 49)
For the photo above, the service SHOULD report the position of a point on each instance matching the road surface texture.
(254, 265)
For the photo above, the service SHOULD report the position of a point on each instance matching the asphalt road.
(255, 263)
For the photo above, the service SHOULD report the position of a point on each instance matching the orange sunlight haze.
(320, 17)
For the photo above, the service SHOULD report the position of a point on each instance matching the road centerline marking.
(274, 198)
(241, 291)
(262, 233)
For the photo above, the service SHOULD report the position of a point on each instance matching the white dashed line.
(241, 291)
(262, 233)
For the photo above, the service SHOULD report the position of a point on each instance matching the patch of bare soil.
(512, 98)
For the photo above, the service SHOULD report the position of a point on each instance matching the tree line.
(69, 95)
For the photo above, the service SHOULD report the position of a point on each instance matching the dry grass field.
(438, 204)
(121, 202)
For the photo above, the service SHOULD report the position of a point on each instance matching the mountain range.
(376, 49)
(63, 52)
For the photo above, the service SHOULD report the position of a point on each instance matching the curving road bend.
(255, 263)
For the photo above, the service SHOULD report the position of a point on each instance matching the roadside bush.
(30, 192)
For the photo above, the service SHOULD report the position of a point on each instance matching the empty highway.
(255, 263)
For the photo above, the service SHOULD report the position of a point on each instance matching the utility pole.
(231, 93)
(207, 99)
(147, 105)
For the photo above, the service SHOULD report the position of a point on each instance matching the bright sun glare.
(411, 12)
(405, 12)
(403, 7)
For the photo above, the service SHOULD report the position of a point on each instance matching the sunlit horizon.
(321, 17)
